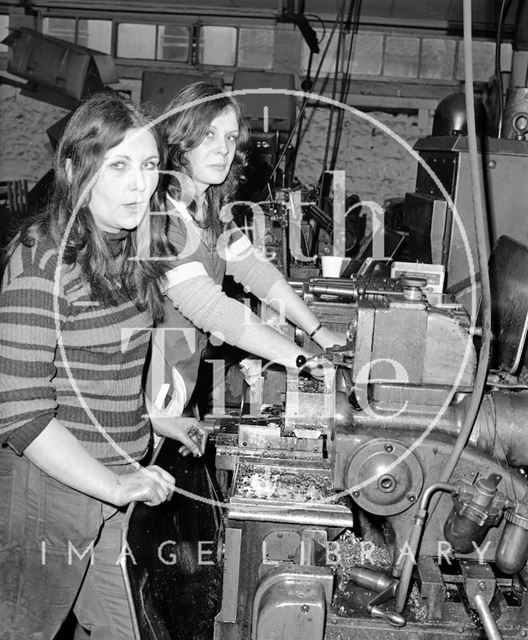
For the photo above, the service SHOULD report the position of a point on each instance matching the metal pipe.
(414, 542)
(489, 624)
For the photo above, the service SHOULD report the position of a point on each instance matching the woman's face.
(125, 183)
(210, 161)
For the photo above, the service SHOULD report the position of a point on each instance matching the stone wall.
(377, 166)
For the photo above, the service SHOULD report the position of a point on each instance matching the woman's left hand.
(188, 431)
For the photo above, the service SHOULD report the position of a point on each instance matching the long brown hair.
(99, 124)
(190, 113)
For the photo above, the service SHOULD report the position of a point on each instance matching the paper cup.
(333, 266)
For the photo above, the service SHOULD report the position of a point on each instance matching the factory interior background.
(446, 444)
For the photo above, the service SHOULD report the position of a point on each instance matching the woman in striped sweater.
(78, 299)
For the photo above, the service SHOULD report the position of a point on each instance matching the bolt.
(523, 634)
(244, 444)
(305, 608)
(389, 448)
(482, 586)
(355, 494)
(411, 497)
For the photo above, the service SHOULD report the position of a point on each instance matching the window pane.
(330, 57)
(174, 43)
(401, 57)
(255, 48)
(218, 45)
(483, 60)
(63, 28)
(438, 58)
(4, 31)
(136, 41)
(368, 53)
(95, 34)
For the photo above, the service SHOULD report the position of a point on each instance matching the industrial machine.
(337, 524)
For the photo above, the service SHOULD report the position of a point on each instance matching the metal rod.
(291, 515)
(489, 624)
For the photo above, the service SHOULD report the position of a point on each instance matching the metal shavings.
(275, 483)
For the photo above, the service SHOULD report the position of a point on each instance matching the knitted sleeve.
(204, 303)
(30, 312)
(249, 268)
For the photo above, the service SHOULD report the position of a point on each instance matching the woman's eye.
(151, 165)
(119, 164)
(233, 138)
(209, 134)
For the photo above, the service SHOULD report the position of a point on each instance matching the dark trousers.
(58, 549)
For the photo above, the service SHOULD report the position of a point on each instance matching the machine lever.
(386, 588)
(396, 619)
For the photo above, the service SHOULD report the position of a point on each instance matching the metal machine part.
(307, 482)
(512, 552)
(476, 508)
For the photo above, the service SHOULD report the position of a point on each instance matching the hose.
(482, 367)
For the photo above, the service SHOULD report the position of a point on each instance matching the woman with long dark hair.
(206, 136)
(79, 296)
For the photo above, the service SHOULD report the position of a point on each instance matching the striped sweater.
(67, 356)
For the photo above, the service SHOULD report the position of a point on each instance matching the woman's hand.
(188, 431)
(151, 485)
(326, 338)
(252, 370)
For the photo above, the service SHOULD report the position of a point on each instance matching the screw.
(482, 586)
(355, 494)
(305, 608)
(389, 448)
(411, 497)
(523, 634)
(244, 444)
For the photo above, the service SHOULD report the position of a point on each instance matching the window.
(63, 28)
(4, 32)
(174, 43)
(136, 41)
(329, 62)
(153, 42)
(483, 54)
(218, 45)
(438, 58)
(255, 48)
(401, 57)
(368, 54)
(95, 34)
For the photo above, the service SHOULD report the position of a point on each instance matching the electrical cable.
(505, 5)
(340, 37)
(305, 99)
(346, 83)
